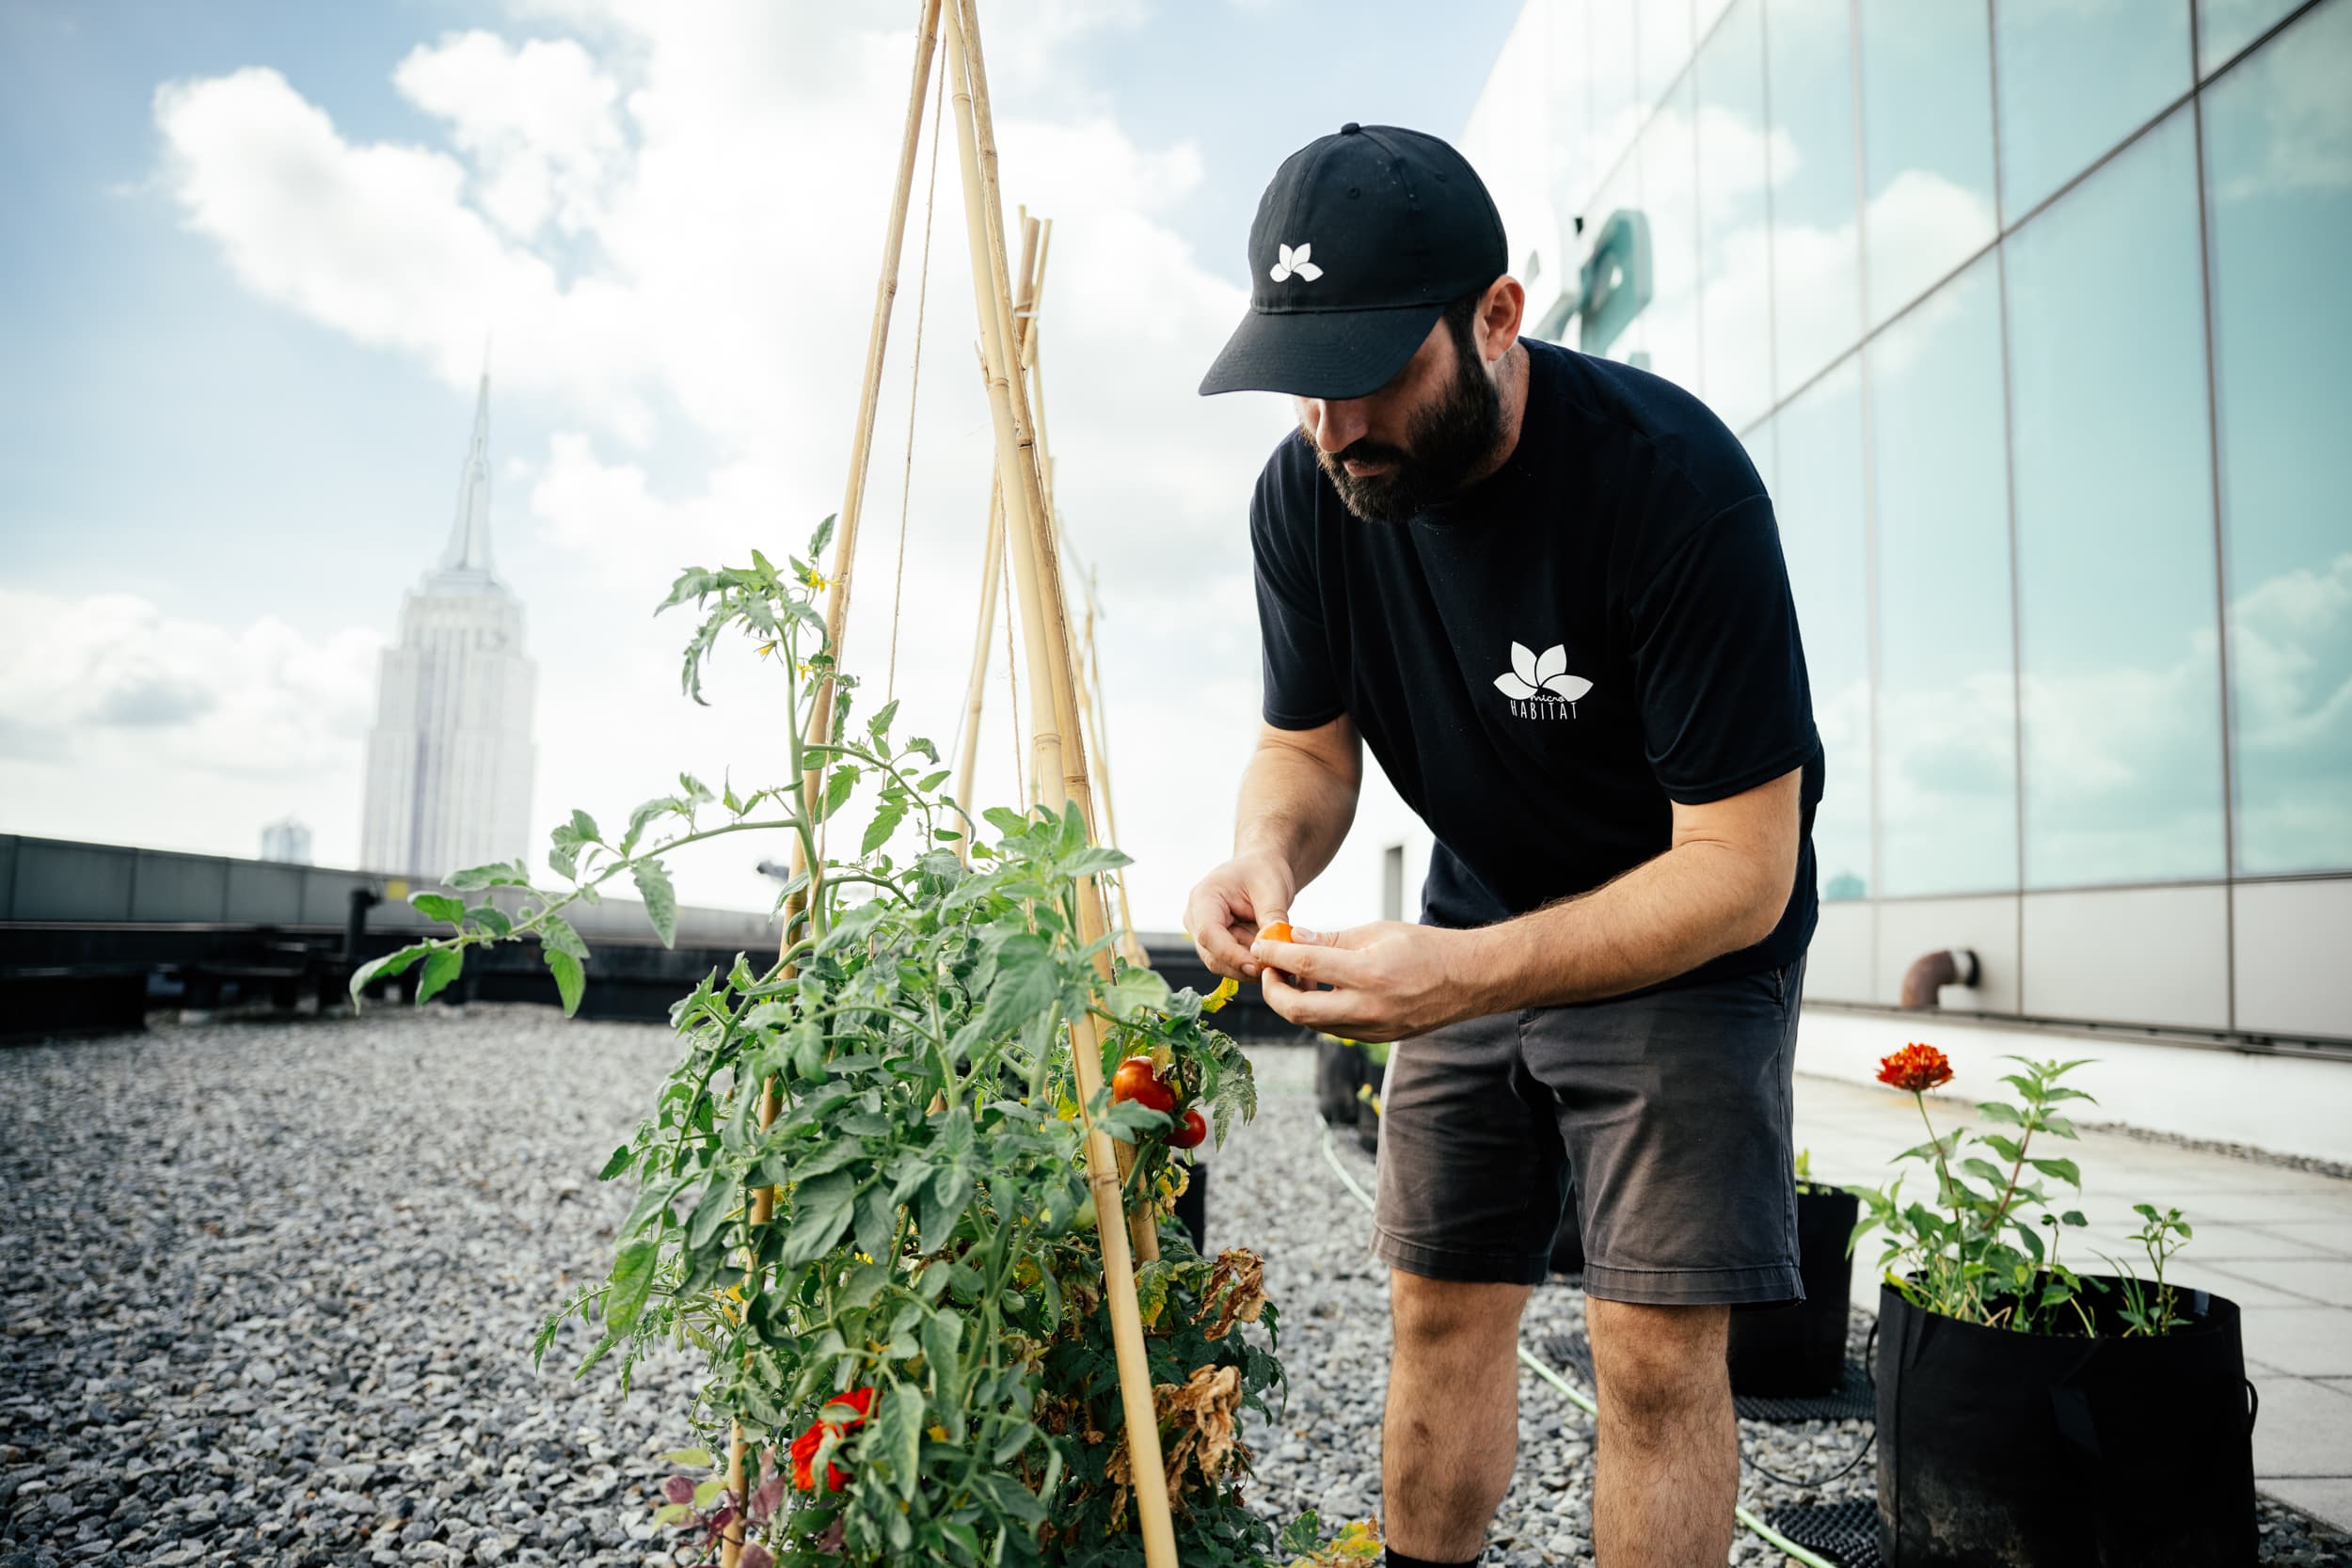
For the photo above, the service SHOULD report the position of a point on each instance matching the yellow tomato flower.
(815, 578)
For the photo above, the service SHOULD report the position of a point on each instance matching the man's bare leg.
(1450, 1434)
(1667, 1464)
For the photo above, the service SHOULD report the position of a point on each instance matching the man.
(1547, 592)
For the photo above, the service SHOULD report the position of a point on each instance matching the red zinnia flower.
(804, 1447)
(1916, 1068)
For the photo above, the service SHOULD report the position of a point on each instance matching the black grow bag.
(2054, 1451)
(1192, 1206)
(1370, 1075)
(1799, 1349)
(1339, 1067)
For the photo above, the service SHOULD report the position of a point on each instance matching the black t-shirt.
(1541, 665)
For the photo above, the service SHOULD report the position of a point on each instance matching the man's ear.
(1499, 315)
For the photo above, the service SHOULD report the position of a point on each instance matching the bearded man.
(1547, 591)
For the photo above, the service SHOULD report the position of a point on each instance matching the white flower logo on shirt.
(1532, 677)
(1294, 262)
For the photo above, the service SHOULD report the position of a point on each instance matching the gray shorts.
(1670, 1113)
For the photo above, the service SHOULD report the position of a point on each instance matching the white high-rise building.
(450, 757)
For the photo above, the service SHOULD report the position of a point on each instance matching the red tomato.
(1188, 1132)
(1135, 1080)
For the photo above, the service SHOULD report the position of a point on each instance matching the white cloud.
(539, 122)
(680, 209)
(118, 721)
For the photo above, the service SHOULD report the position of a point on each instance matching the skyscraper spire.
(469, 537)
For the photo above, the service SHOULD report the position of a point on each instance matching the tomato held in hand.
(1135, 1080)
(1278, 930)
(1188, 1132)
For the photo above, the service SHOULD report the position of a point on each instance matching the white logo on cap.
(1294, 262)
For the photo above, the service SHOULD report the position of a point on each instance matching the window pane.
(2225, 26)
(1815, 256)
(1818, 504)
(1735, 265)
(2279, 138)
(1622, 192)
(2077, 77)
(1669, 197)
(1927, 144)
(1947, 742)
(1616, 109)
(2123, 761)
(1665, 45)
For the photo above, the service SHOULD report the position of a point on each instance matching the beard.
(1447, 439)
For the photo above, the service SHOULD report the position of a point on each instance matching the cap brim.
(1320, 354)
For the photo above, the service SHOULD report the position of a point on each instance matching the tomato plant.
(920, 1327)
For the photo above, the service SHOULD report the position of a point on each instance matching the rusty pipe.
(1932, 971)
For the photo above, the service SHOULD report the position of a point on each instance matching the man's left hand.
(1387, 980)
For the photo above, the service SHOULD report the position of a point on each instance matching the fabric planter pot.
(2054, 1451)
(1799, 1349)
(1339, 1067)
(1370, 1075)
(1192, 1208)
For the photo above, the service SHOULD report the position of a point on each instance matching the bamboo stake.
(836, 624)
(992, 563)
(976, 690)
(1048, 650)
(1061, 751)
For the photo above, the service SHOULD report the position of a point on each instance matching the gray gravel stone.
(272, 1287)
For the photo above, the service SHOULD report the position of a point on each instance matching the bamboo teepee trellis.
(1023, 519)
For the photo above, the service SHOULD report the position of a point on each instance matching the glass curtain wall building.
(2035, 316)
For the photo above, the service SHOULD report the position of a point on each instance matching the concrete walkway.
(2275, 1241)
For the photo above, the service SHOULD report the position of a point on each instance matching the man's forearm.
(1663, 918)
(1295, 807)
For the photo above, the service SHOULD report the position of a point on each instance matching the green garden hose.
(1576, 1396)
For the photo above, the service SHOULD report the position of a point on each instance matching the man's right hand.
(1231, 904)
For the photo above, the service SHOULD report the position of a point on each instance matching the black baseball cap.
(1359, 243)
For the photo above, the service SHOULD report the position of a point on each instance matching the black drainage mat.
(1853, 1399)
(1847, 1533)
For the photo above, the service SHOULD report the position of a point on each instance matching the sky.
(254, 257)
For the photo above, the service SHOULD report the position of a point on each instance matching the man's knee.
(1658, 1362)
(1450, 1320)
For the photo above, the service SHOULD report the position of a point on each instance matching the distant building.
(450, 758)
(288, 841)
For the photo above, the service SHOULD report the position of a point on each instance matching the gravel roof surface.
(271, 1285)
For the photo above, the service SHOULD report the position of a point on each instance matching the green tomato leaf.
(390, 964)
(438, 906)
(632, 1283)
(445, 965)
(622, 1158)
(838, 788)
(570, 981)
(653, 886)
(885, 822)
(821, 1212)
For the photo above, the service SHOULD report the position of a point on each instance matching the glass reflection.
(1816, 253)
(1735, 241)
(1926, 144)
(1624, 190)
(2116, 600)
(1947, 703)
(1819, 502)
(1665, 45)
(2279, 188)
(1669, 197)
(2077, 77)
(2225, 26)
(1616, 95)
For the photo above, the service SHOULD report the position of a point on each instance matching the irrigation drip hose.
(1570, 1391)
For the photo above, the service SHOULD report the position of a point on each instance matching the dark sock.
(1398, 1560)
